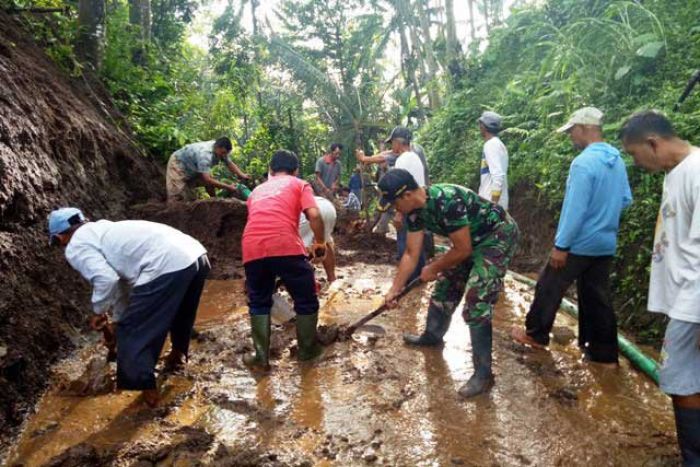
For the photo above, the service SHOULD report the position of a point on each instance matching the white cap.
(584, 116)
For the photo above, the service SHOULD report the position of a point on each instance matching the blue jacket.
(597, 191)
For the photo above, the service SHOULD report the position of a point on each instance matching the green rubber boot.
(436, 326)
(260, 330)
(482, 380)
(309, 347)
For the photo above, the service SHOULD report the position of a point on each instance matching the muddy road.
(370, 400)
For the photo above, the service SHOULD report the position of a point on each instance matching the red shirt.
(273, 218)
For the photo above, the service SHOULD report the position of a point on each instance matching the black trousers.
(166, 304)
(296, 274)
(597, 322)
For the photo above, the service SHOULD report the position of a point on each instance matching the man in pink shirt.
(272, 248)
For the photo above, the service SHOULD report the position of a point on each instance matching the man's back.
(196, 158)
(273, 218)
(138, 251)
(411, 162)
(597, 192)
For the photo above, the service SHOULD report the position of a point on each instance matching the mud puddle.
(369, 400)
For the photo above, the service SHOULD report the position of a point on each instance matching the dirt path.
(369, 400)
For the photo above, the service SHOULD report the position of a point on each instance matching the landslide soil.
(60, 144)
(369, 400)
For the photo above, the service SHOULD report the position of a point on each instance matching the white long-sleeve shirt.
(494, 171)
(115, 256)
(674, 287)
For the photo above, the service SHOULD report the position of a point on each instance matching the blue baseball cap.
(61, 220)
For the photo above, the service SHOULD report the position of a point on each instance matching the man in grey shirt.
(191, 166)
(328, 172)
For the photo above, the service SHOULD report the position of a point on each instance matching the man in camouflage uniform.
(484, 238)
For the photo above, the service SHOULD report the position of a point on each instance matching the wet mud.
(61, 143)
(368, 400)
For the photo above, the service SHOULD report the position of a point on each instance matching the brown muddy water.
(370, 400)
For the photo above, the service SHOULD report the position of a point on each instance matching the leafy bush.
(544, 63)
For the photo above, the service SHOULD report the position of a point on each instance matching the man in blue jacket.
(597, 191)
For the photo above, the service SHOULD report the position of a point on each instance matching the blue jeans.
(401, 236)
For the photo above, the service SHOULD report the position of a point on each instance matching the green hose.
(633, 353)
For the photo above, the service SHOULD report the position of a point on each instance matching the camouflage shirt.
(452, 207)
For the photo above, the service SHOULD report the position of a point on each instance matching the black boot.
(260, 330)
(436, 326)
(482, 379)
(309, 347)
(688, 429)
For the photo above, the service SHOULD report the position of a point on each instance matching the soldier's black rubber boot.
(482, 380)
(436, 325)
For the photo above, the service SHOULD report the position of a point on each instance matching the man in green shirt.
(191, 166)
(484, 238)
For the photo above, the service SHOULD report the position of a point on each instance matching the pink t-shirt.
(273, 218)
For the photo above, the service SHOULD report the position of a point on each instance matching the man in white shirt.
(400, 140)
(674, 287)
(162, 271)
(329, 217)
(494, 161)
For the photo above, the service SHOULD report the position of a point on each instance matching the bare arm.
(408, 263)
(316, 224)
(236, 170)
(460, 251)
(321, 184)
(377, 159)
(208, 180)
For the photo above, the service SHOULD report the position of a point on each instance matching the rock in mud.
(97, 378)
(563, 335)
(78, 456)
(328, 334)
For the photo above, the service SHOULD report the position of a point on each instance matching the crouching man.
(272, 248)
(149, 276)
(484, 238)
(329, 216)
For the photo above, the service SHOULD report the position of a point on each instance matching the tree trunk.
(450, 31)
(254, 13)
(140, 16)
(91, 32)
(408, 61)
(486, 15)
(452, 44)
(472, 29)
(429, 54)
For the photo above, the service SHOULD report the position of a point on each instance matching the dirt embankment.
(217, 224)
(59, 145)
(537, 227)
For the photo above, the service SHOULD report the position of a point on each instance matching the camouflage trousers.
(481, 276)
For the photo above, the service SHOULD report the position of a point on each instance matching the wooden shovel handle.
(382, 308)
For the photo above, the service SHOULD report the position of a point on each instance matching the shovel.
(381, 309)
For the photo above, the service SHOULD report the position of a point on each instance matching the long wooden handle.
(382, 308)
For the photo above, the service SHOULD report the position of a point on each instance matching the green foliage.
(544, 63)
(55, 32)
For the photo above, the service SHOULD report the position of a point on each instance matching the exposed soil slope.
(59, 145)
